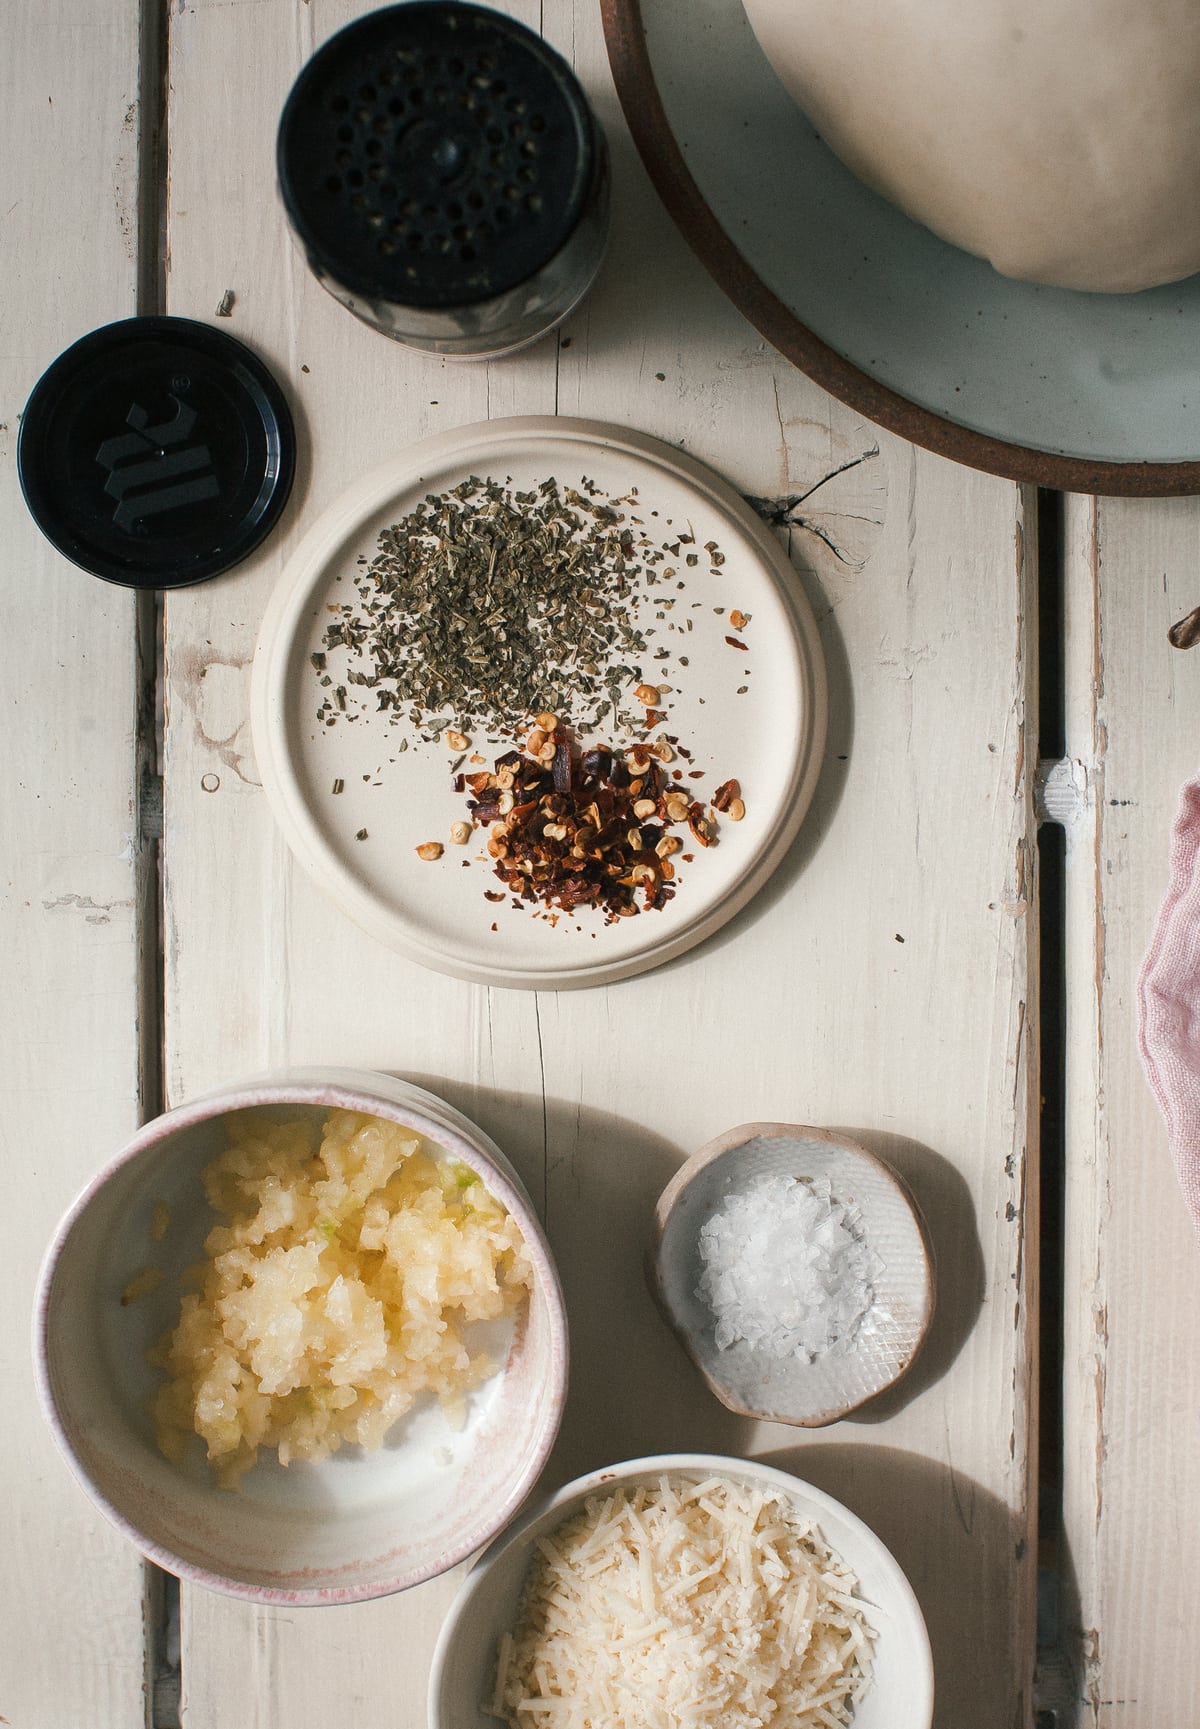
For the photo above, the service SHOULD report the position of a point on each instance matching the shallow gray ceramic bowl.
(463, 1673)
(358, 1525)
(745, 1378)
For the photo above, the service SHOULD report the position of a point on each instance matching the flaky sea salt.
(787, 1268)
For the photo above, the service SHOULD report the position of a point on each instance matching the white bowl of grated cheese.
(692, 1592)
(793, 1266)
(302, 1341)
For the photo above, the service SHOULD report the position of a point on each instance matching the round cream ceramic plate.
(757, 716)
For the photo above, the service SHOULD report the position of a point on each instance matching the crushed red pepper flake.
(572, 826)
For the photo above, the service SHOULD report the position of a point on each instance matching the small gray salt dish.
(793, 1265)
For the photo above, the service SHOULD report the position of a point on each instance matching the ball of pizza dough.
(1058, 138)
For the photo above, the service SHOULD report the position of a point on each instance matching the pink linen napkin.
(1169, 1002)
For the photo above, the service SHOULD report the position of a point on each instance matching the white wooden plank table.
(887, 980)
(72, 1648)
(1131, 1389)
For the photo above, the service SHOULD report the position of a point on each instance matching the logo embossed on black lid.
(156, 452)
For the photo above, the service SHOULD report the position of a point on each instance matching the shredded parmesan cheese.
(685, 1605)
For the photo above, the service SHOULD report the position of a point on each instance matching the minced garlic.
(335, 1293)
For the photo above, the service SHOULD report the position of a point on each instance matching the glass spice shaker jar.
(446, 177)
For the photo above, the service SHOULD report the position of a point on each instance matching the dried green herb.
(484, 603)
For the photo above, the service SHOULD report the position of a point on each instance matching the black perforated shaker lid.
(156, 452)
(435, 154)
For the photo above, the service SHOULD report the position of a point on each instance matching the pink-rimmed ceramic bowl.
(359, 1525)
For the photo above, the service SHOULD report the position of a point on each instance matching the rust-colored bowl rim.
(637, 89)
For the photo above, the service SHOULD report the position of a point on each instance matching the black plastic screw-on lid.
(435, 154)
(156, 452)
